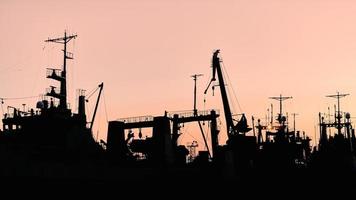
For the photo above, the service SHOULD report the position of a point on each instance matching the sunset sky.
(146, 51)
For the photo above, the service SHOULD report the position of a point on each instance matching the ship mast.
(62, 96)
(338, 96)
(280, 99)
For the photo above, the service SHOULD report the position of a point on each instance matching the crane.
(101, 86)
(232, 129)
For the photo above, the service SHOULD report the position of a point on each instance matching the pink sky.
(145, 52)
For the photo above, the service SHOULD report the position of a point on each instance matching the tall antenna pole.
(338, 117)
(66, 55)
(294, 114)
(280, 99)
(195, 78)
(271, 114)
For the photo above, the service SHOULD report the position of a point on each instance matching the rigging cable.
(233, 91)
(71, 66)
(92, 92)
(37, 72)
(105, 107)
(187, 132)
(2, 107)
(98, 124)
(87, 110)
(17, 98)
(229, 87)
(230, 91)
(207, 131)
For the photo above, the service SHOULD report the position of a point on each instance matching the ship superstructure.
(51, 129)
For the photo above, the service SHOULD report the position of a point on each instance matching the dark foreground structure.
(50, 144)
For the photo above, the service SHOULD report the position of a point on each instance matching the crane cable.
(105, 107)
(231, 91)
(231, 86)
(92, 92)
(205, 92)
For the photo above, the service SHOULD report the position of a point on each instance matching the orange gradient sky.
(145, 51)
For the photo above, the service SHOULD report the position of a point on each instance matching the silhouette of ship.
(282, 148)
(54, 143)
(242, 156)
(33, 142)
(335, 151)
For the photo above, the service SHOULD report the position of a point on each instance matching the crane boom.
(231, 128)
(101, 86)
(227, 111)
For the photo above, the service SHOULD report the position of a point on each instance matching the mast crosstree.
(60, 75)
(338, 116)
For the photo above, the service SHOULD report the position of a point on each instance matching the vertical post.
(214, 134)
(253, 126)
(65, 52)
(329, 119)
(280, 106)
(338, 114)
(294, 123)
(294, 114)
(63, 99)
(259, 137)
(175, 130)
(272, 114)
(195, 96)
(320, 132)
(349, 136)
(195, 78)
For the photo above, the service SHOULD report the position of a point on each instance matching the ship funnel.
(81, 103)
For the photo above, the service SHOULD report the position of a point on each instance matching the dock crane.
(242, 147)
(232, 129)
(101, 86)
